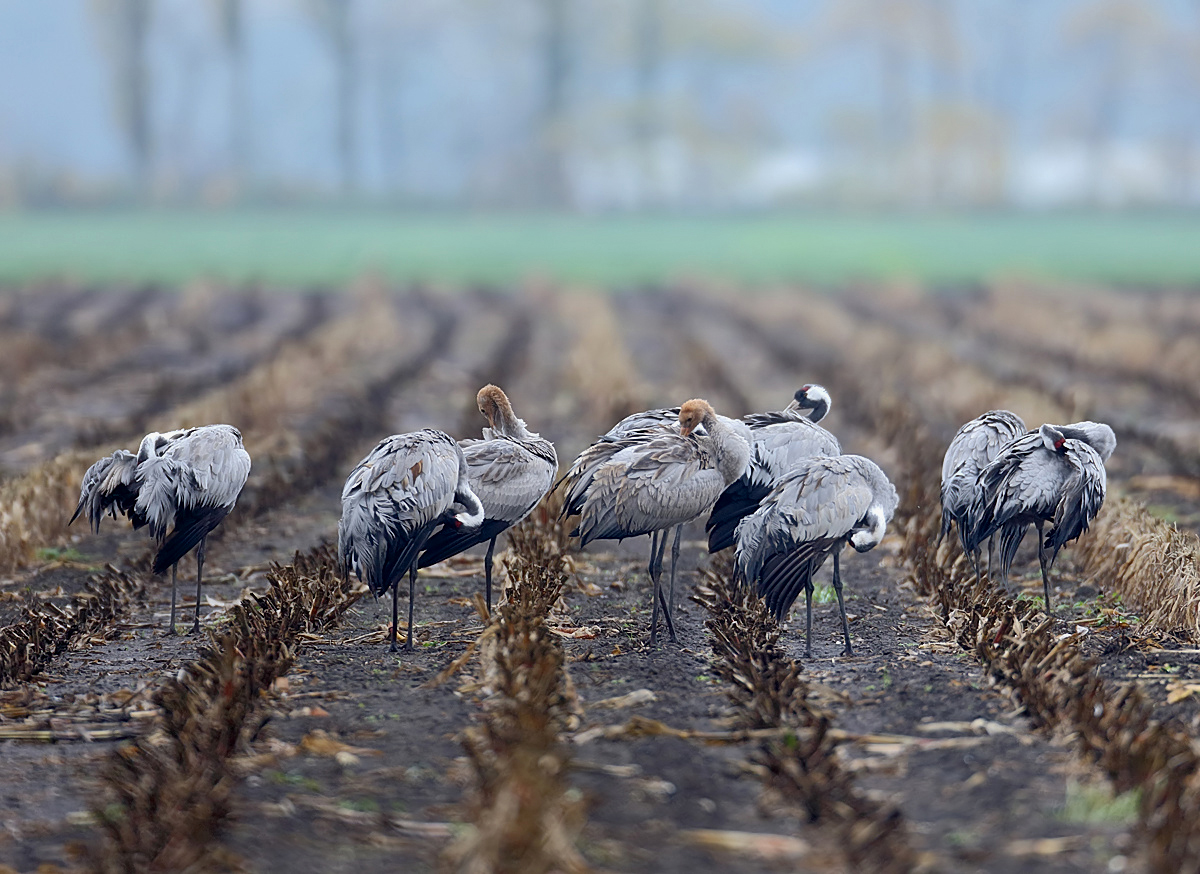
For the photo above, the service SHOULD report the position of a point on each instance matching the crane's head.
(493, 403)
(693, 413)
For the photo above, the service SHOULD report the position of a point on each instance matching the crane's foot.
(848, 651)
(172, 632)
(195, 629)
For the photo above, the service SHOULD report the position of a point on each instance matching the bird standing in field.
(778, 441)
(1055, 474)
(510, 470)
(972, 448)
(656, 482)
(186, 481)
(393, 501)
(814, 509)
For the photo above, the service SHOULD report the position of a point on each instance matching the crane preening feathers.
(1055, 474)
(816, 508)
(180, 485)
(654, 480)
(392, 503)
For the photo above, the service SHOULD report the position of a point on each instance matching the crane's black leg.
(412, 596)
(1045, 560)
(395, 610)
(808, 593)
(487, 572)
(174, 572)
(837, 587)
(671, 596)
(658, 545)
(199, 574)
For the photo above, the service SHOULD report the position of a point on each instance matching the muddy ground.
(980, 789)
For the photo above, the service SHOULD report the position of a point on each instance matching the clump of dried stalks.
(1153, 565)
(543, 539)
(164, 796)
(801, 764)
(48, 629)
(524, 820)
(35, 507)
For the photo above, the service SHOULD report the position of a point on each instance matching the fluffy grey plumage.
(779, 441)
(972, 448)
(510, 470)
(391, 503)
(180, 485)
(814, 509)
(1055, 474)
(655, 481)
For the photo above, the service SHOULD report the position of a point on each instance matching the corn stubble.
(163, 797)
(524, 819)
(801, 764)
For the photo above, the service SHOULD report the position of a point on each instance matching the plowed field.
(953, 741)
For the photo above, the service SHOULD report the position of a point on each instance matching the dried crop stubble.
(801, 764)
(164, 796)
(524, 819)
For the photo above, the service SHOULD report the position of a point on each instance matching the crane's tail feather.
(450, 540)
(739, 500)
(191, 526)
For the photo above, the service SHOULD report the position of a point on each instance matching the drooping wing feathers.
(1082, 494)
(785, 575)
(191, 526)
(811, 510)
(110, 486)
(974, 445)
(777, 448)
(187, 482)
(450, 540)
(1027, 482)
(648, 487)
(392, 500)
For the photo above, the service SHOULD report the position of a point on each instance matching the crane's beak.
(686, 430)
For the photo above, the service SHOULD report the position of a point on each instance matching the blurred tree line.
(634, 104)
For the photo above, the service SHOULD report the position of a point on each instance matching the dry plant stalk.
(800, 764)
(524, 820)
(613, 391)
(543, 539)
(164, 796)
(1153, 565)
(47, 629)
(35, 507)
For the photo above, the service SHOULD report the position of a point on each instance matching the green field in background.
(315, 246)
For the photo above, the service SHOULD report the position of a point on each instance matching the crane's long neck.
(732, 450)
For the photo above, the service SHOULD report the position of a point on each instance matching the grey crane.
(974, 445)
(510, 470)
(1055, 474)
(817, 507)
(650, 486)
(186, 481)
(778, 441)
(393, 501)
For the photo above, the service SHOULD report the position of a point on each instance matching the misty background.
(597, 105)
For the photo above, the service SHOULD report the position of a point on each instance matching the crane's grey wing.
(110, 485)
(980, 439)
(649, 487)
(578, 479)
(647, 419)
(1022, 480)
(1082, 494)
(403, 486)
(508, 478)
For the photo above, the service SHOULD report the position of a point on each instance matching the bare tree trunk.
(333, 19)
(124, 28)
(231, 23)
(552, 179)
(648, 40)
